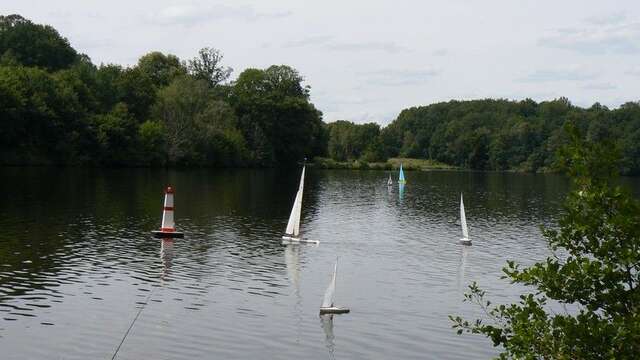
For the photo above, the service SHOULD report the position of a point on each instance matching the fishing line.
(133, 322)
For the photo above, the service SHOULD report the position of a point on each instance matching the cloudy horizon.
(366, 61)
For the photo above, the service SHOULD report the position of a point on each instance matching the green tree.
(218, 136)
(40, 117)
(34, 45)
(153, 143)
(596, 269)
(350, 141)
(107, 90)
(161, 69)
(275, 115)
(116, 133)
(208, 66)
(137, 91)
(199, 129)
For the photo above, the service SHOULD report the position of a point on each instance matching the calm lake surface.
(77, 262)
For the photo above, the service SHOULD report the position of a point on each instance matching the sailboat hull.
(165, 234)
(465, 242)
(293, 240)
(334, 310)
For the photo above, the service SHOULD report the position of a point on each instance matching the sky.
(365, 61)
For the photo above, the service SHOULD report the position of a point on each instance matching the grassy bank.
(393, 163)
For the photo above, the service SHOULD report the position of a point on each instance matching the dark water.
(77, 262)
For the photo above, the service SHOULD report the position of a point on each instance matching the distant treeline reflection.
(57, 107)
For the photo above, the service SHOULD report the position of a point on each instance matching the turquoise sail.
(401, 179)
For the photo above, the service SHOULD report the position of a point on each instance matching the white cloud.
(190, 15)
(601, 35)
(374, 59)
(634, 71)
(440, 52)
(308, 41)
(383, 46)
(570, 73)
(396, 77)
(600, 86)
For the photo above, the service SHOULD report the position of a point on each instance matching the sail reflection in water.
(292, 261)
(326, 321)
(462, 268)
(230, 284)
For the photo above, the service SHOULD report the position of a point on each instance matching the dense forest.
(490, 134)
(58, 108)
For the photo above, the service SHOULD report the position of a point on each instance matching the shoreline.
(408, 164)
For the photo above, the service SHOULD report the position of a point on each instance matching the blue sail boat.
(401, 179)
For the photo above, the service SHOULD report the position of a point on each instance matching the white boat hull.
(465, 242)
(293, 240)
(333, 310)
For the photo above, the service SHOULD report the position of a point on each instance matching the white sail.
(327, 302)
(463, 220)
(389, 182)
(293, 226)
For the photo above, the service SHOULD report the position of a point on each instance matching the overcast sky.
(367, 60)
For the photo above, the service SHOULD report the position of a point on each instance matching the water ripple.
(71, 281)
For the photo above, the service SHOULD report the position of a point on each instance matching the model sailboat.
(292, 233)
(327, 306)
(463, 222)
(401, 179)
(389, 182)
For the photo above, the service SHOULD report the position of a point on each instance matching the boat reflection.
(326, 321)
(292, 262)
(400, 191)
(462, 268)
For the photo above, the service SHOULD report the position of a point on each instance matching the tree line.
(57, 107)
(490, 134)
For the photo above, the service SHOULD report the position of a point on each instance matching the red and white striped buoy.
(168, 228)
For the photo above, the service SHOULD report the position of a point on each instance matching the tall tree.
(349, 141)
(160, 68)
(135, 88)
(208, 66)
(199, 129)
(275, 113)
(34, 45)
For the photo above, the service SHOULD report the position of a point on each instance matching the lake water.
(77, 262)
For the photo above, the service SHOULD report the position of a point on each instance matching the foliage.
(161, 69)
(505, 135)
(598, 273)
(199, 129)
(153, 143)
(208, 67)
(116, 136)
(349, 141)
(56, 107)
(275, 115)
(34, 45)
(40, 116)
